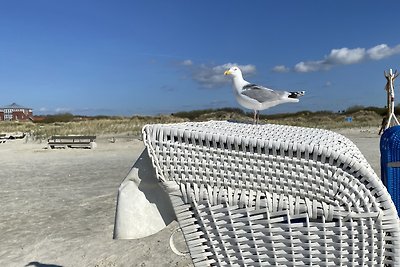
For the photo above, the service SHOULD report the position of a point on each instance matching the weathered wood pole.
(391, 117)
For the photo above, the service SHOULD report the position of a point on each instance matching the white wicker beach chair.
(260, 195)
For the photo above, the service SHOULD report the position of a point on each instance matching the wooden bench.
(72, 141)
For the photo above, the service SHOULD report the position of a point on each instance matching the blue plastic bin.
(390, 153)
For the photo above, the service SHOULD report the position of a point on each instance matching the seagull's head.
(234, 71)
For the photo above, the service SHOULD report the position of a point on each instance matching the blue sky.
(125, 57)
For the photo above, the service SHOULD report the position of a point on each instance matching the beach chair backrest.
(273, 195)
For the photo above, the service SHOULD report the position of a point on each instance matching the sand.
(58, 206)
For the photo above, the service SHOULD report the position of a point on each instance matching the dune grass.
(361, 117)
(66, 124)
(104, 126)
(325, 120)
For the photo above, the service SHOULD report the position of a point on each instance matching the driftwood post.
(390, 119)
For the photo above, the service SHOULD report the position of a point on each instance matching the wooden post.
(390, 119)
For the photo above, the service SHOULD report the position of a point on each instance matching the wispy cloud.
(381, 51)
(79, 111)
(344, 56)
(209, 76)
(280, 68)
(62, 110)
(187, 62)
(48, 110)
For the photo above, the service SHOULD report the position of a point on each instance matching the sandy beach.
(58, 206)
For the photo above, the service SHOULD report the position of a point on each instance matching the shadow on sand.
(38, 264)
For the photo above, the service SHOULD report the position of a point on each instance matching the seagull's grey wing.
(261, 94)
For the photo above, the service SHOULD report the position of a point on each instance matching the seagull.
(258, 97)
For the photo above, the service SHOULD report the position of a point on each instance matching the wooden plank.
(69, 139)
(69, 143)
(65, 141)
(73, 137)
(75, 145)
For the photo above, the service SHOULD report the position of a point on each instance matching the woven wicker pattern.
(259, 195)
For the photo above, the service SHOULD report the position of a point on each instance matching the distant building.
(15, 112)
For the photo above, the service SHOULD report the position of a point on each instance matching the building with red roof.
(15, 112)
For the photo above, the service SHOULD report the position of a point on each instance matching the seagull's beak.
(227, 72)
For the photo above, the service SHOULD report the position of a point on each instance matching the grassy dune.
(69, 124)
(103, 126)
(369, 117)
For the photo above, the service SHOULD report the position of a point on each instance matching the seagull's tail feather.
(296, 94)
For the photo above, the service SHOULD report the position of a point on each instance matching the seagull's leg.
(255, 117)
(258, 116)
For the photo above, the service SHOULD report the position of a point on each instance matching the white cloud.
(381, 51)
(310, 66)
(280, 68)
(62, 110)
(213, 76)
(187, 62)
(346, 56)
(342, 56)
